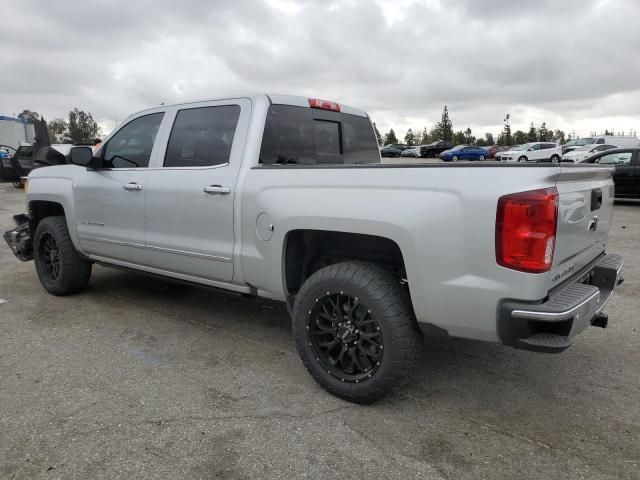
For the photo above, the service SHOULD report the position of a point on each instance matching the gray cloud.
(572, 63)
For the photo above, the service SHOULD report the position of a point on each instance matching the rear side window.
(306, 136)
(202, 137)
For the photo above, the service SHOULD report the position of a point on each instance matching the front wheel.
(18, 184)
(454, 158)
(60, 269)
(522, 159)
(355, 331)
(481, 158)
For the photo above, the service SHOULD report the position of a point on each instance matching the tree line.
(79, 126)
(443, 130)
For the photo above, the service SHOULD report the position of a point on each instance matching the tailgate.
(584, 217)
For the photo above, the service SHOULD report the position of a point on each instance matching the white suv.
(533, 152)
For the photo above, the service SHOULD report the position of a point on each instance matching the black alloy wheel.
(345, 337)
(50, 255)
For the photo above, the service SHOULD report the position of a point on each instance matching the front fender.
(50, 184)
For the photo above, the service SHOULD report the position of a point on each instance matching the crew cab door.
(190, 195)
(110, 201)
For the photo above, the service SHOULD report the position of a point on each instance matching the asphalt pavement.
(143, 377)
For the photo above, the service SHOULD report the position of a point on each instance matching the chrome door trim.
(158, 249)
(190, 254)
(107, 240)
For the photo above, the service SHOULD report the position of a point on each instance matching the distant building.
(15, 131)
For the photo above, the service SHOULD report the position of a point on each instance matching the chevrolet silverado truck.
(286, 198)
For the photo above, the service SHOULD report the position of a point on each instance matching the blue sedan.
(464, 152)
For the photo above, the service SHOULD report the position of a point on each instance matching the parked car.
(6, 152)
(491, 151)
(627, 169)
(22, 156)
(533, 152)
(585, 151)
(25, 162)
(464, 152)
(434, 149)
(393, 150)
(360, 255)
(575, 143)
(411, 152)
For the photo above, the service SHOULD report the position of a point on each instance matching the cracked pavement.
(142, 377)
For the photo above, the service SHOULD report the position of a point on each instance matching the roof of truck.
(277, 99)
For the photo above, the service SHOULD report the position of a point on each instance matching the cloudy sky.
(573, 63)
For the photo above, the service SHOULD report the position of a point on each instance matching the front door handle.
(132, 186)
(217, 189)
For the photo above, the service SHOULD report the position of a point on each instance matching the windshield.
(584, 141)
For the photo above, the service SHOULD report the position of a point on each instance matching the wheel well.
(307, 251)
(39, 209)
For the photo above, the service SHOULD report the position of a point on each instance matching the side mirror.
(80, 156)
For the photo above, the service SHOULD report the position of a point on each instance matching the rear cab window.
(296, 135)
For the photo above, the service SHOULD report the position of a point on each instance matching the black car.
(6, 171)
(25, 160)
(393, 150)
(434, 149)
(12, 169)
(627, 174)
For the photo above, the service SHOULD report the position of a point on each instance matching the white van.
(618, 141)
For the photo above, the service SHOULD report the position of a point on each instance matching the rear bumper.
(550, 325)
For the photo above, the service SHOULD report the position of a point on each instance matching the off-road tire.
(389, 304)
(74, 271)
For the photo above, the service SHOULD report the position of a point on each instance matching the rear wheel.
(555, 158)
(60, 269)
(355, 331)
(18, 184)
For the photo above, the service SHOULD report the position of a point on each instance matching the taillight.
(526, 230)
(324, 104)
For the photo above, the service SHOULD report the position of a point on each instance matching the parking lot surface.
(142, 377)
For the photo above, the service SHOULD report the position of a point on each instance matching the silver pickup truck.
(286, 198)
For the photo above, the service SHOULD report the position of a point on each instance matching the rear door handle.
(131, 186)
(217, 189)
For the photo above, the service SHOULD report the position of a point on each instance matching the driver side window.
(131, 146)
